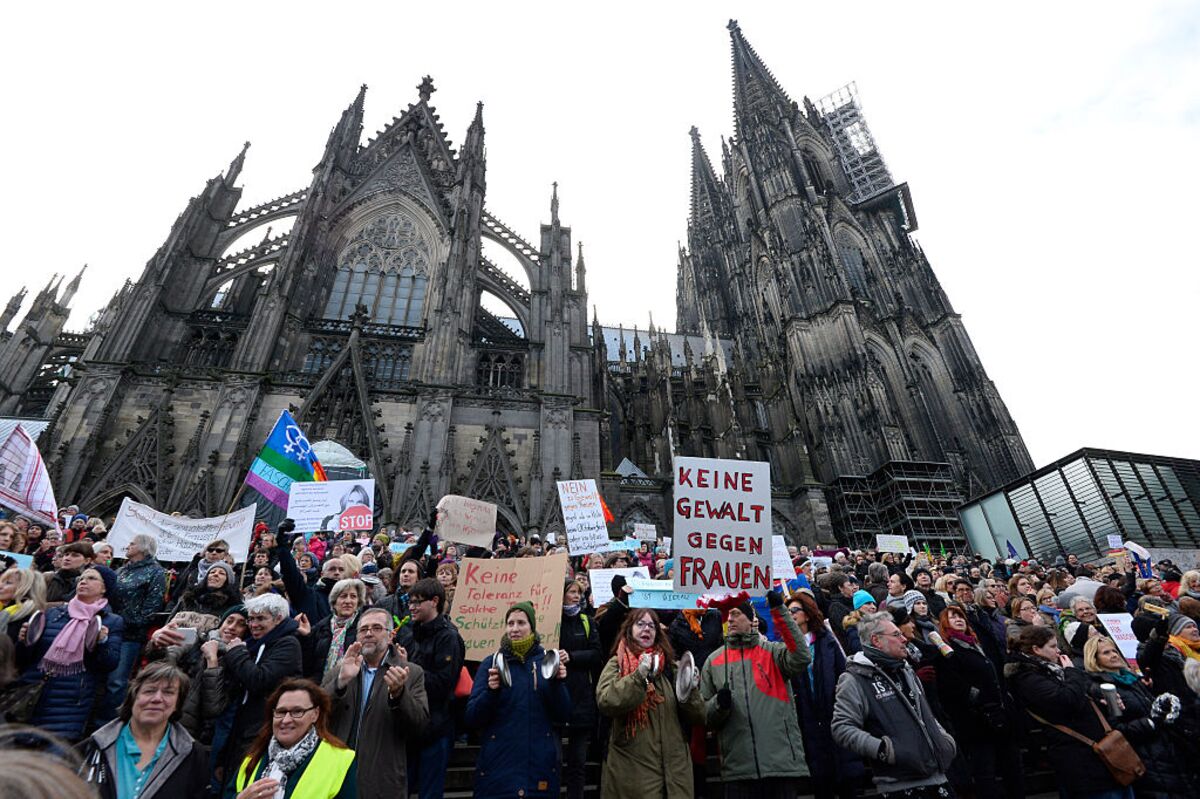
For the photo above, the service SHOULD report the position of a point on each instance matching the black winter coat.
(315, 646)
(1060, 696)
(1164, 770)
(970, 691)
(440, 652)
(253, 675)
(814, 694)
(610, 621)
(312, 601)
(684, 640)
(581, 640)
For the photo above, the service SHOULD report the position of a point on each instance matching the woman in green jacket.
(296, 751)
(647, 753)
(748, 701)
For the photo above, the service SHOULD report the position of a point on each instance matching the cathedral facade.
(812, 333)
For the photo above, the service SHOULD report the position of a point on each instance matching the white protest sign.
(333, 505)
(1114, 542)
(465, 520)
(582, 516)
(892, 543)
(781, 561)
(646, 532)
(667, 544)
(178, 537)
(601, 580)
(723, 523)
(820, 562)
(1120, 627)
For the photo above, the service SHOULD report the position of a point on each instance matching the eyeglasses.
(373, 629)
(645, 624)
(794, 611)
(417, 600)
(216, 549)
(896, 634)
(296, 713)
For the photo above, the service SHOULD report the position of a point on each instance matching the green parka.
(655, 762)
(759, 734)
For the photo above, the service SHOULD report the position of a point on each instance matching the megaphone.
(685, 677)
(550, 665)
(501, 665)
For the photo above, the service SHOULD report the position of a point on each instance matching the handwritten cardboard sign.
(722, 526)
(583, 516)
(465, 520)
(486, 589)
(645, 532)
(781, 561)
(892, 543)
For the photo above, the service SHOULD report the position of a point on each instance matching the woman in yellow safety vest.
(295, 751)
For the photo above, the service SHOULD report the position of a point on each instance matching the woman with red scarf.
(973, 695)
(647, 752)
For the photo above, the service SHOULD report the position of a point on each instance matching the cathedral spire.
(554, 205)
(756, 93)
(344, 138)
(10, 311)
(72, 288)
(580, 271)
(706, 191)
(235, 166)
(425, 89)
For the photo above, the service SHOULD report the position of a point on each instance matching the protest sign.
(583, 516)
(486, 589)
(624, 545)
(178, 537)
(820, 562)
(399, 547)
(22, 561)
(646, 532)
(1114, 542)
(892, 543)
(333, 505)
(465, 520)
(723, 523)
(601, 580)
(1120, 628)
(24, 482)
(781, 561)
(667, 545)
(658, 595)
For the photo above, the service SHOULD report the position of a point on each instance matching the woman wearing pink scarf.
(62, 660)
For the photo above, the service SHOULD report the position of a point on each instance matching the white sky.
(1050, 147)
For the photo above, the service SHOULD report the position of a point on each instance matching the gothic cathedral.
(812, 333)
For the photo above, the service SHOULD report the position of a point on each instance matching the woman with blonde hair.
(447, 575)
(22, 591)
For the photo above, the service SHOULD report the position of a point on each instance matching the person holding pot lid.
(79, 644)
(520, 752)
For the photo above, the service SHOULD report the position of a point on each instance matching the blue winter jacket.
(814, 693)
(520, 751)
(67, 700)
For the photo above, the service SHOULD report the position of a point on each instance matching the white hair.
(347, 584)
(872, 624)
(146, 543)
(274, 604)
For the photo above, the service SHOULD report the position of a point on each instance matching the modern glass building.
(1074, 504)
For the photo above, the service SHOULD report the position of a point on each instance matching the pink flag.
(24, 482)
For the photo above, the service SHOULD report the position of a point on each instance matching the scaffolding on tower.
(852, 139)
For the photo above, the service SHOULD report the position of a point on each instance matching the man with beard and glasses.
(379, 705)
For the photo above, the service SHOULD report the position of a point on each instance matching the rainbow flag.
(285, 458)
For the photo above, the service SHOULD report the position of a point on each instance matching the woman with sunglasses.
(647, 752)
(295, 751)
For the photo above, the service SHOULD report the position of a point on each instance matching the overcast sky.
(1051, 149)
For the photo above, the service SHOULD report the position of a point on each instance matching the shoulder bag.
(1113, 749)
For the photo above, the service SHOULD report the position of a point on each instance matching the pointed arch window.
(854, 261)
(385, 266)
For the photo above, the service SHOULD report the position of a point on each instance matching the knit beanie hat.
(110, 580)
(527, 609)
(899, 614)
(238, 609)
(746, 609)
(1178, 622)
(229, 573)
(861, 598)
(910, 598)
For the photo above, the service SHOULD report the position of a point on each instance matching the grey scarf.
(288, 760)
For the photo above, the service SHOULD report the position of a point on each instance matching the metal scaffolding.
(917, 499)
(852, 139)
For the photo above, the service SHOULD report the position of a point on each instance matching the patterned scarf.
(288, 760)
(628, 660)
(337, 644)
(1185, 647)
(65, 655)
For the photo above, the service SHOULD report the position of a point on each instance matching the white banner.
(465, 520)
(781, 561)
(892, 543)
(583, 517)
(723, 526)
(601, 581)
(1120, 627)
(332, 505)
(646, 532)
(178, 537)
(24, 483)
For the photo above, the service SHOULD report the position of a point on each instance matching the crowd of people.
(330, 666)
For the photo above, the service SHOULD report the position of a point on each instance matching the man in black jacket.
(439, 652)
